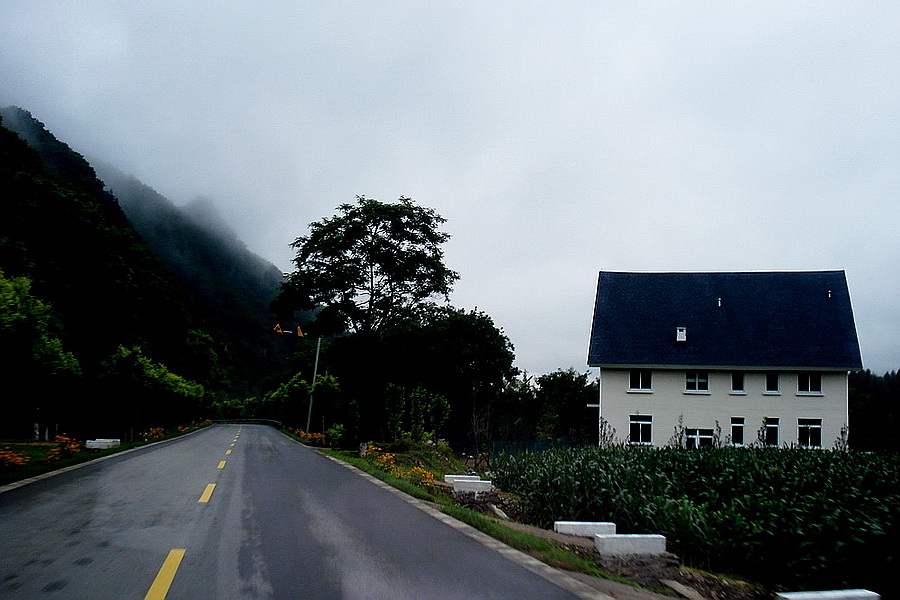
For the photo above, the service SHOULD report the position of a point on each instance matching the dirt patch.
(716, 588)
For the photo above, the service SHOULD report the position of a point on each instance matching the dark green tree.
(368, 267)
(37, 371)
(563, 396)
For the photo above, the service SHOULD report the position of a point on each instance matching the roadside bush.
(788, 517)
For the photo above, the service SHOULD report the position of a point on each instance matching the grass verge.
(401, 484)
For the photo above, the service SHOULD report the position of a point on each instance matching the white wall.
(668, 401)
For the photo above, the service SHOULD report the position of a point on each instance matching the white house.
(745, 356)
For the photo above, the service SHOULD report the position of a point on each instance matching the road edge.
(551, 574)
(23, 482)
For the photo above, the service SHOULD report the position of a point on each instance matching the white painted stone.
(102, 444)
(616, 544)
(586, 529)
(830, 595)
(472, 486)
(452, 478)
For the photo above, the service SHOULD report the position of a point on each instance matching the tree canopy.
(369, 266)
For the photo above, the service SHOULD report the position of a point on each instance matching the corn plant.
(779, 516)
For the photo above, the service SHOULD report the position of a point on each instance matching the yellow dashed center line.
(221, 464)
(204, 497)
(166, 574)
(228, 452)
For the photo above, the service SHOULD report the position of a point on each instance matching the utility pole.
(313, 387)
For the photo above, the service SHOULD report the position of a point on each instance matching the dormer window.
(681, 334)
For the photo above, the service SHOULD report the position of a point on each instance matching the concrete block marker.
(452, 478)
(586, 529)
(830, 595)
(616, 544)
(102, 444)
(472, 486)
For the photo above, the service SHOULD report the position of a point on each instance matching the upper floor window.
(809, 383)
(737, 383)
(696, 381)
(773, 383)
(640, 429)
(640, 379)
(809, 433)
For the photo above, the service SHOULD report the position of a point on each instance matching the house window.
(640, 379)
(698, 438)
(809, 383)
(771, 431)
(773, 383)
(641, 429)
(809, 433)
(737, 431)
(696, 381)
(737, 382)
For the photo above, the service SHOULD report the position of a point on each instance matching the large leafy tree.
(369, 266)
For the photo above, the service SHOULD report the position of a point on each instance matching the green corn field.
(786, 518)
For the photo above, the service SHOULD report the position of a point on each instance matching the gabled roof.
(788, 319)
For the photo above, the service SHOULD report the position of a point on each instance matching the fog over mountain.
(558, 139)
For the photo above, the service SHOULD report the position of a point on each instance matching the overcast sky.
(557, 138)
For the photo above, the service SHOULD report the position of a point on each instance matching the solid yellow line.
(221, 464)
(164, 578)
(207, 493)
(228, 452)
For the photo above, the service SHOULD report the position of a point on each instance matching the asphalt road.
(242, 511)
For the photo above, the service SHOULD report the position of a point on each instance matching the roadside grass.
(407, 487)
(39, 456)
(532, 545)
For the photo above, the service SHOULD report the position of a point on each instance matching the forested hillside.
(94, 322)
(231, 286)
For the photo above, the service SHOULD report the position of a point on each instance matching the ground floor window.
(737, 431)
(698, 438)
(771, 432)
(640, 429)
(809, 433)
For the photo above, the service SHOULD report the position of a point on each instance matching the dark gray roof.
(800, 319)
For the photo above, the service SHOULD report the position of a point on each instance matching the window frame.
(696, 378)
(772, 424)
(809, 425)
(699, 438)
(808, 377)
(742, 391)
(737, 424)
(770, 391)
(644, 425)
(644, 381)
